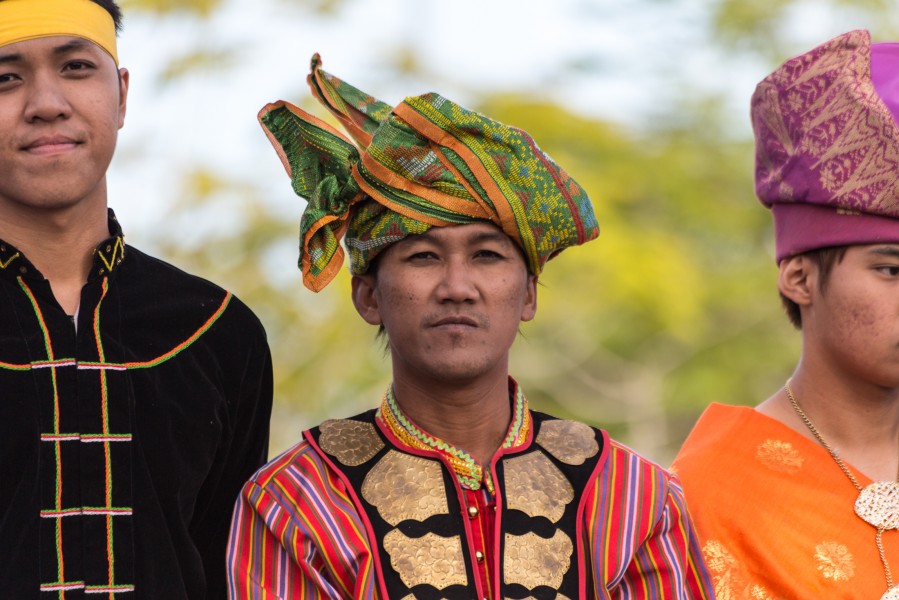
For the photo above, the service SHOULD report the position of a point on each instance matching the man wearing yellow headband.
(134, 398)
(452, 488)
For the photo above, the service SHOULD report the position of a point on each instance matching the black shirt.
(124, 442)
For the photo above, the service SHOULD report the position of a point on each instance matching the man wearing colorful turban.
(134, 398)
(453, 487)
(798, 497)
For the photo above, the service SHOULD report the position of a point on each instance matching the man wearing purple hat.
(798, 497)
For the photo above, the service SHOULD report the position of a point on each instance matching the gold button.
(479, 555)
(108, 248)
(472, 511)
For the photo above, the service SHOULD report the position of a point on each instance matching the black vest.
(420, 531)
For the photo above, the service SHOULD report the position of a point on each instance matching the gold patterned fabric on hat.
(823, 134)
(827, 145)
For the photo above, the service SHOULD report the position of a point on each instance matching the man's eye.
(424, 255)
(78, 65)
(891, 270)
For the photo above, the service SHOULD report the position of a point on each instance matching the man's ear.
(365, 298)
(529, 310)
(796, 279)
(123, 95)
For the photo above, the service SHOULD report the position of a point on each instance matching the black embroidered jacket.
(124, 442)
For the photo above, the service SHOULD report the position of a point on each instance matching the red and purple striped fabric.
(296, 534)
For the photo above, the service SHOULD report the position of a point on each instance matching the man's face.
(62, 102)
(853, 326)
(451, 301)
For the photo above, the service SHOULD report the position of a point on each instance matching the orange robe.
(775, 513)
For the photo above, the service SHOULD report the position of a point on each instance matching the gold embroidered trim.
(569, 441)
(531, 560)
(403, 487)
(536, 487)
(351, 442)
(3, 265)
(428, 560)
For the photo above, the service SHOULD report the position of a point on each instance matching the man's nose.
(457, 284)
(46, 100)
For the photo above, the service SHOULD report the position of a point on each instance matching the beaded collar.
(471, 474)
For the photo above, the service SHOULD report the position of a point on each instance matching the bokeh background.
(644, 102)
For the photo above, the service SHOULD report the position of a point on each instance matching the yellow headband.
(22, 20)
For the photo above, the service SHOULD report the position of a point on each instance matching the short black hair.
(114, 11)
(824, 259)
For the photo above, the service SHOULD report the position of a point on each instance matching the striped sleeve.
(296, 534)
(639, 535)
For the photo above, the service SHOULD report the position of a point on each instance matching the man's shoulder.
(297, 467)
(722, 433)
(174, 290)
(616, 460)
(734, 451)
(148, 267)
(627, 466)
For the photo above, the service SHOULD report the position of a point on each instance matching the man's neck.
(858, 419)
(473, 417)
(60, 244)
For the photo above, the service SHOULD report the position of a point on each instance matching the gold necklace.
(877, 504)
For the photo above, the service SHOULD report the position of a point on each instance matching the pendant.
(891, 594)
(878, 505)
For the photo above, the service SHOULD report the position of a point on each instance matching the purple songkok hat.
(826, 129)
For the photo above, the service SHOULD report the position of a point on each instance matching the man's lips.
(456, 321)
(50, 144)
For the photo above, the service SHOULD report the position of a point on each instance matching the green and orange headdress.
(425, 163)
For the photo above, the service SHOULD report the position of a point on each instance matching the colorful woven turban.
(425, 163)
(827, 145)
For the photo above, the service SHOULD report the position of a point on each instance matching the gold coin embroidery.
(536, 487)
(430, 559)
(351, 442)
(569, 441)
(531, 560)
(404, 487)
